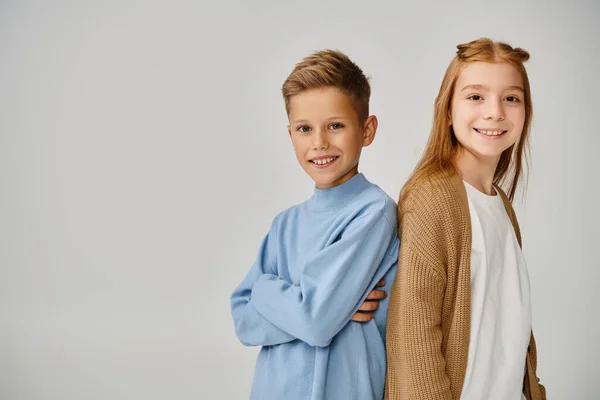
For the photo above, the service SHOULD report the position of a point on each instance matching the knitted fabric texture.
(430, 304)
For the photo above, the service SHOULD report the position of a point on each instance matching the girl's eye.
(475, 97)
(303, 128)
(512, 99)
(336, 126)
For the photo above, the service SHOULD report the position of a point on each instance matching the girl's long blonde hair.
(440, 153)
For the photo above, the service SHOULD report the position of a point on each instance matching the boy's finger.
(380, 283)
(362, 317)
(369, 306)
(376, 294)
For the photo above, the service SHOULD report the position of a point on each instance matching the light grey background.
(144, 152)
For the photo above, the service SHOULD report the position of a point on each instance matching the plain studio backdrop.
(144, 153)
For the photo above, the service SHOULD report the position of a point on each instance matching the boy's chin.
(332, 181)
(320, 184)
(326, 183)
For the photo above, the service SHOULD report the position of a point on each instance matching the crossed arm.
(268, 310)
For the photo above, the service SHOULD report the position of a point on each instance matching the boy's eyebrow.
(336, 117)
(304, 121)
(299, 121)
(481, 87)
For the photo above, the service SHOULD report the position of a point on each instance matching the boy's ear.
(369, 130)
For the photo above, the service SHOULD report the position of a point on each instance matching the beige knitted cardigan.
(430, 304)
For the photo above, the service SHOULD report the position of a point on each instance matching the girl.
(459, 322)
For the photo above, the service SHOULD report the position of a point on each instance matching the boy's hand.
(365, 311)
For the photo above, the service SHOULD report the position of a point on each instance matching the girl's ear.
(369, 130)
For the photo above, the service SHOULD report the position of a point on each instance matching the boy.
(321, 258)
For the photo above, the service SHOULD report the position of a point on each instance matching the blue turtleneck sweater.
(314, 269)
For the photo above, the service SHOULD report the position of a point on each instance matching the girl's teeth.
(490, 133)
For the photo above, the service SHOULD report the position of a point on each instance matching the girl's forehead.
(484, 75)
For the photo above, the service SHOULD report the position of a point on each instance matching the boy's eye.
(335, 125)
(303, 128)
(475, 97)
(512, 99)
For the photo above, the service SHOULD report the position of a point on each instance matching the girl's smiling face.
(488, 108)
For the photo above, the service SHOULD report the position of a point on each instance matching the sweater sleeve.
(416, 365)
(333, 284)
(251, 328)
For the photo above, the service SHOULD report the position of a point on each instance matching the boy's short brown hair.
(329, 68)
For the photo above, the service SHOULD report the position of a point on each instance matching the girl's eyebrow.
(485, 88)
(476, 87)
(519, 88)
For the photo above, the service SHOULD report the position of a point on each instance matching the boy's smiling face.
(327, 135)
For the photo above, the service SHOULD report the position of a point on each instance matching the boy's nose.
(320, 141)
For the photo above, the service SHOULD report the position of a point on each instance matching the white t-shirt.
(500, 304)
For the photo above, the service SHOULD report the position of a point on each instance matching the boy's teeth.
(323, 161)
